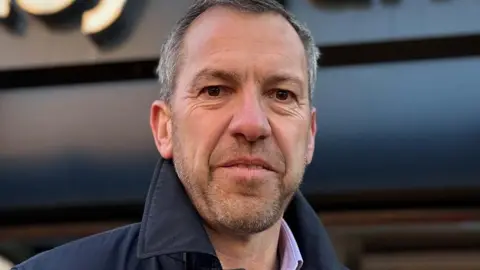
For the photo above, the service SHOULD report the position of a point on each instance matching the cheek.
(292, 139)
(198, 135)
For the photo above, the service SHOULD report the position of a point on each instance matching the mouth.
(248, 163)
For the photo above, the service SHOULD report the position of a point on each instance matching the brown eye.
(213, 91)
(282, 95)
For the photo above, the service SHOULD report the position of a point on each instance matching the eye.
(213, 91)
(283, 95)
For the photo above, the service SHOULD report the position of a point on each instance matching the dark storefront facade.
(398, 117)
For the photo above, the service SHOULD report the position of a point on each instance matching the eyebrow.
(276, 79)
(223, 75)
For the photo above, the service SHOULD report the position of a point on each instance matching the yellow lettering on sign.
(94, 23)
(4, 9)
(44, 7)
(102, 16)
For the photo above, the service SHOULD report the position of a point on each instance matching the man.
(235, 128)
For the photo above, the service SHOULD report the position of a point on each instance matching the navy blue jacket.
(171, 237)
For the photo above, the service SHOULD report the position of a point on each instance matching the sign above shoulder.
(104, 21)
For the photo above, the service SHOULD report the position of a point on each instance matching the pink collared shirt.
(290, 257)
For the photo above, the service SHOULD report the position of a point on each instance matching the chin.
(246, 214)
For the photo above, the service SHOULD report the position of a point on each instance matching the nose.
(250, 119)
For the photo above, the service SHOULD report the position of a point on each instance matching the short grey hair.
(171, 50)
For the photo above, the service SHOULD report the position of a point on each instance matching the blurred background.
(396, 174)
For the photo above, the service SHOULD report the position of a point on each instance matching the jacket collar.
(171, 224)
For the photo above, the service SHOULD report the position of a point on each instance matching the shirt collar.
(290, 256)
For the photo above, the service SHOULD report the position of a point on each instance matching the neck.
(258, 251)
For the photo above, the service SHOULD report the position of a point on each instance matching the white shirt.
(290, 256)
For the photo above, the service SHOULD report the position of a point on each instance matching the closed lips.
(248, 163)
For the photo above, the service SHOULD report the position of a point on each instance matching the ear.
(311, 135)
(161, 125)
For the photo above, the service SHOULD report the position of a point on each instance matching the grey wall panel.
(78, 144)
(398, 126)
(108, 119)
(75, 180)
(384, 20)
(402, 99)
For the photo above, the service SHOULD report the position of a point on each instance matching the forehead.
(230, 38)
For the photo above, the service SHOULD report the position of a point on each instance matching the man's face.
(239, 127)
